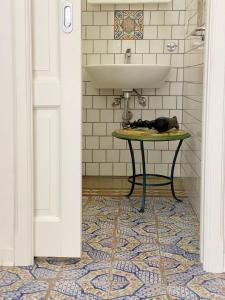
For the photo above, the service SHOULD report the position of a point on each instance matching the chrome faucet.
(127, 59)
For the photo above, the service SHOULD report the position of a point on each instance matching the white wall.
(103, 155)
(6, 135)
(192, 101)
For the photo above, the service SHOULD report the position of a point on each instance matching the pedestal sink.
(127, 76)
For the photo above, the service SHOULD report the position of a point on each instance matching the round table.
(150, 135)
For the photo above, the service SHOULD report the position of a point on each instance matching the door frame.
(212, 224)
(23, 133)
(213, 143)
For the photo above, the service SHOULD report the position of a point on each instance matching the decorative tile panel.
(129, 24)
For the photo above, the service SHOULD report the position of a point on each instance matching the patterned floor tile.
(190, 244)
(129, 248)
(173, 250)
(71, 264)
(91, 231)
(100, 202)
(182, 217)
(104, 217)
(134, 279)
(124, 231)
(144, 228)
(159, 291)
(174, 264)
(186, 241)
(134, 218)
(149, 260)
(101, 250)
(35, 289)
(92, 223)
(171, 233)
(72, 289)
(210, 286)
(89, 282)
(183, 293)
(169, 207)
(82, 268)
(46, 268)
(180, 267)
(160, 297)
(81, 296)
(104, 214)
(134, 203)
(185, 275)
(13, 277)
(105, 242)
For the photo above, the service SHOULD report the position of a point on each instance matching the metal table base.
(144, 175)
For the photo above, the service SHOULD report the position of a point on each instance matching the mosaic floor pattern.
(126, 256)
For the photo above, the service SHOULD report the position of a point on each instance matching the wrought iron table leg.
(172, 171)
(144, 177)
(133, 167)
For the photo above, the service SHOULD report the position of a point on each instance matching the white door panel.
(57, 130)
(46, 164)
(47, 92)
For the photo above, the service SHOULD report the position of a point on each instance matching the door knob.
(67, 17)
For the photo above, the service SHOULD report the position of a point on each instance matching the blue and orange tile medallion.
(128, 24)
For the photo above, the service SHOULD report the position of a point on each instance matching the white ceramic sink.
(127, 76)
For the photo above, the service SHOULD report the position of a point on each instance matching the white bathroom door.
(57, 127)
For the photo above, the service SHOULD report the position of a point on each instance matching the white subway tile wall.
(192, 101)
(163, 23)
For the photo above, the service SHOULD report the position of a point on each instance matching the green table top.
(146, 134)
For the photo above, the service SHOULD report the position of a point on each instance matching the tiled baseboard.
(119, 186)
(111, 192)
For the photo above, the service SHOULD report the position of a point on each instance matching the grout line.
(51, 285)
(164, 278)
(52, 282)
(162, 269)
(122, 192)
(114, 247)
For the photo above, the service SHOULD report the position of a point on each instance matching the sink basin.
(127, 76)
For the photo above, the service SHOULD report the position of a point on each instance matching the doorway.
(215, 12)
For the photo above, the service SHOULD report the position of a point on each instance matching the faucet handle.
(142, 101)
(117, 101)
